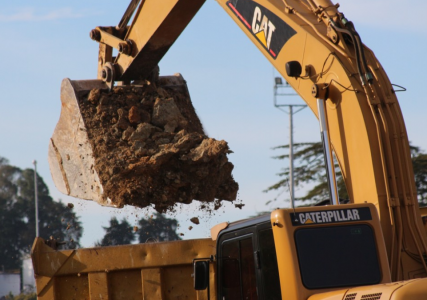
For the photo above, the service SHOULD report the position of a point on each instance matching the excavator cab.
(329, 252)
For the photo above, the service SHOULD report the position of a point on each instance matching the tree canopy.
(310, 170)
(158, 228)
(17, 215)
(118, 233)
(419, 164)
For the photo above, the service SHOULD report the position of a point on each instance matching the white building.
(10, 283)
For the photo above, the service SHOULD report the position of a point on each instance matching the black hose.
(356, 49)
(351, 28)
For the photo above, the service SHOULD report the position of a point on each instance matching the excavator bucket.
(70, 154)
(137, 145)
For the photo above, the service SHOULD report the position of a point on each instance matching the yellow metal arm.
(320, 54)
(155, 27)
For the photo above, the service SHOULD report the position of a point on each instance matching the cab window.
(238, 277)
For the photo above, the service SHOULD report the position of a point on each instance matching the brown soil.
(195, 220)
(150, 148)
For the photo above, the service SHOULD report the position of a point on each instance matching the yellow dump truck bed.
(142, 271)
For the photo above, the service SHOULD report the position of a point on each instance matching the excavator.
(373, 248)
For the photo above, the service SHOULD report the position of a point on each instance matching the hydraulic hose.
(356, 49)
(350, 27)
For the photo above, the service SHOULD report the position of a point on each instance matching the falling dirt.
(239, 205)
(150, 148)
(195, 220)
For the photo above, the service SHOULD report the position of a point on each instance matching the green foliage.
(118, 233)
(158, 229)
(31, 296)
(17, 215)
(309, 169)
(419, 164)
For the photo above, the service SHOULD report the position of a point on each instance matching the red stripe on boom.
(272, 53)
(239, 15)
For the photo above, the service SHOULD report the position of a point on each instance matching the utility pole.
(36, 197)
(278, 84)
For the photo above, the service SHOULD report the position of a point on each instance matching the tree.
(118, 233)
(311, 169)
(31, 296)
(12, 223)
(158, 229)
(17, 215)
(419, 164)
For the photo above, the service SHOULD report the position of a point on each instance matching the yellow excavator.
(373, 248)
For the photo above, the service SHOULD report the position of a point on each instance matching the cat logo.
(262, 28)
(269, 30)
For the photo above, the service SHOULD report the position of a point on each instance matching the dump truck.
(372, 248)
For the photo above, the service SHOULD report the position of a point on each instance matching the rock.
(134, 115)
(207, 150)
(143, 132)
(167, 115)
(239, 205)
(94, 96)
(103, 105)
(186, 142)
(122, 123)
(195, 220)
(127, 133)
(118, 90)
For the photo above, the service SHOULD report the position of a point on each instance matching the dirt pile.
(150, 147)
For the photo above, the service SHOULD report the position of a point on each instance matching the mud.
(150, 148)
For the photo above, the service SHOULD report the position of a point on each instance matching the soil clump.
(150, 148)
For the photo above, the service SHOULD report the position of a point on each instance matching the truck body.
(142, 271)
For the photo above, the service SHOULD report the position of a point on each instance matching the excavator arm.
(320, 54)
(318, 51)
(155, 27)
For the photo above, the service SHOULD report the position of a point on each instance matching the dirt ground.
(150, 148)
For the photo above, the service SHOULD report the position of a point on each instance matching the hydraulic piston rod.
(329, 160)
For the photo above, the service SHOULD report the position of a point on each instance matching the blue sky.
(230, 82)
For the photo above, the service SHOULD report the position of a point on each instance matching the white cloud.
(29, 14)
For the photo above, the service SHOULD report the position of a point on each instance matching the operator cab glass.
(248, 265)
(337, 256)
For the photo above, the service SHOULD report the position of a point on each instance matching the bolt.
(104, 74)
(125, 48)
(95, 35)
